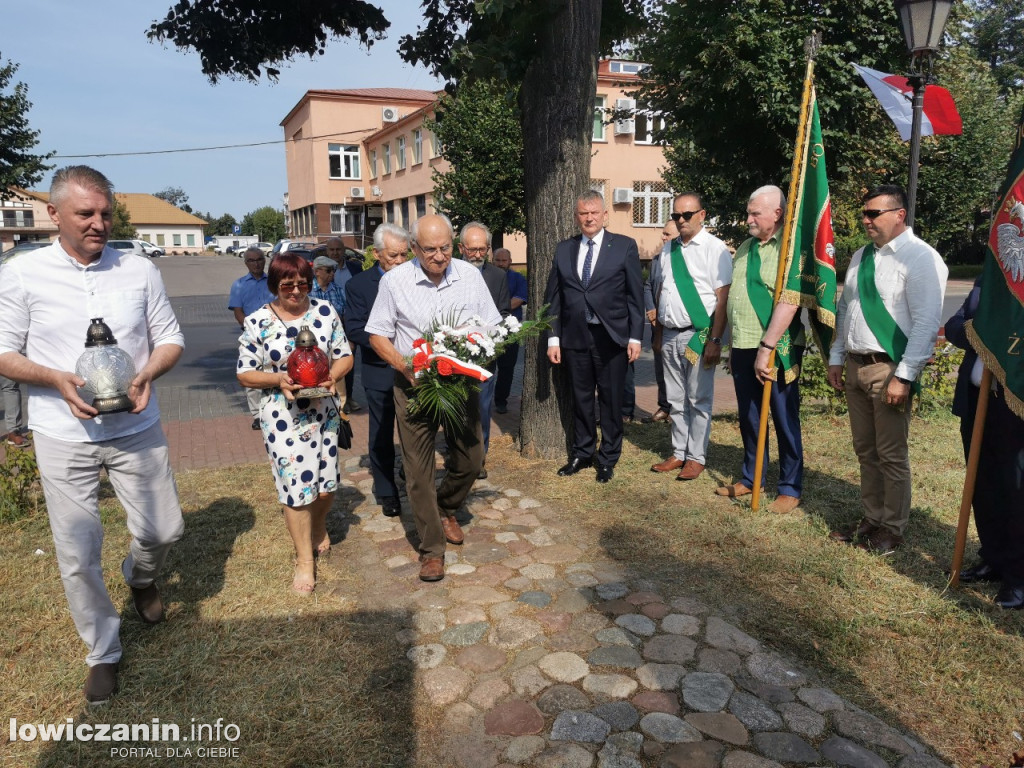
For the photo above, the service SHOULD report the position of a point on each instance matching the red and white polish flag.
(940, 116)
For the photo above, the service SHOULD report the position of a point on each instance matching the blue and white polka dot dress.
(301, 436)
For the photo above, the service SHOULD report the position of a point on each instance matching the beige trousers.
(880, 439)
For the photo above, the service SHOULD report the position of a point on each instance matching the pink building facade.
(358, 157)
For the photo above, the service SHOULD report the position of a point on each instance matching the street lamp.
(922, 22)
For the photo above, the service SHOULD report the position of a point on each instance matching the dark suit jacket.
(963, 400)
(360, 293)
(615, 292)
(497, 284)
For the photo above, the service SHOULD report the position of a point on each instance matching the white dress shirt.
(598, 240)
(408, 302)
(47, 300)
(709, 263)
(911, 281)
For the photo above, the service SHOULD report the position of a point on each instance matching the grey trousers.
(252, 399)
(139, 468)
(12, 404)
(691, 391)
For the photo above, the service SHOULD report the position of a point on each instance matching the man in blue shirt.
(335, 249)
(249, 293)
(518, 293)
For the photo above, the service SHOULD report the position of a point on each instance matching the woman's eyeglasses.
(302, 286)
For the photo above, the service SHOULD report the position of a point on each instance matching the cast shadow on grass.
(303, 688)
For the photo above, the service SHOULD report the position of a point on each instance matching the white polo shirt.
(47, 300)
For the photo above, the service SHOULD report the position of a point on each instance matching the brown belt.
(870, 359)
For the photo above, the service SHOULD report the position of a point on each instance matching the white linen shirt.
(47, 300)
(408, 302)
(911, 281)
(710, 265)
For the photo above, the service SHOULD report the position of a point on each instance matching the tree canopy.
(478, 130)
(19, 165)
(176, 196)
(266, 223)
(122, 228)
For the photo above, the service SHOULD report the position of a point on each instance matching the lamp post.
(922, 22)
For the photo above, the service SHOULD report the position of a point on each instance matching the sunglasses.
(289, 287)
(873, 213)
(685, 215)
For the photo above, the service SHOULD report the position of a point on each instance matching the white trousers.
(691, 391)
(139, 469)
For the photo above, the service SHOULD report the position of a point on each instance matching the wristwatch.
(715, 340)
(901, 380)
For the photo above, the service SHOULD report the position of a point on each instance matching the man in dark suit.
(475, 246)
(998, 514)
(391, 245)
(596, 298)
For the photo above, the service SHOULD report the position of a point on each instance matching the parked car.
(265, 247)
(151, 250)
(283, 246)
(22, 247)
(216, 248)
(128, 246)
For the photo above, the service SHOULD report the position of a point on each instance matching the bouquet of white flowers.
(450, 360)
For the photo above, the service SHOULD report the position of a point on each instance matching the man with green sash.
(690, 280)
(751, 313)
(886, 324)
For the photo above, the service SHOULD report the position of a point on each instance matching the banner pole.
(971, 478)
(811, 45)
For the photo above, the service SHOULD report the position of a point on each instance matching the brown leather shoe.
(148, 604)
(733, 491)
(864, 528)
(432, 569)
(452, 531)
(784, 504)
(881, 542)
(691, 470)
(101, 683)
(671, 464)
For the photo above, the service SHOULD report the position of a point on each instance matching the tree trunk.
(557, 107)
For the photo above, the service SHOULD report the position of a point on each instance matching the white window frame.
(599, 107)
(373, 163)
(653, 205)
(417, 146)
(650, 122)
(435, 145)
(347, 217)
(400, 153)
(387, 157)
(348, 161)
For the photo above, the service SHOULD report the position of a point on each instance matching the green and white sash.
(692, 303)
(888, 334)
(762, 299)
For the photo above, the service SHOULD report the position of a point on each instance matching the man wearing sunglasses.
(754, 322)
(887, 320)
(690, 283)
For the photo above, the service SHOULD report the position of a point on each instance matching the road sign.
(236, 230)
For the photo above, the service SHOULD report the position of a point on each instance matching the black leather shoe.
(605, 473)
(1010, 598)
(101, 683)
(574, 466)
(390, 506)
(980, 572)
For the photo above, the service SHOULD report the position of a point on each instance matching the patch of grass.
(884, 632)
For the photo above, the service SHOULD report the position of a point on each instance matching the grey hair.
(254, 249)
(82, 175)
(335, 240)
(415, 230)
(476, 225)
(589, 196)
(387, 229)
(769, 189)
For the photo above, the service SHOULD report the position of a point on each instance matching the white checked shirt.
(46, 302)
(408, 302)
(911, 281)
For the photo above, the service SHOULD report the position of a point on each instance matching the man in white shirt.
(690, 281)
(886, 324)
(48, 297)
(412, 297)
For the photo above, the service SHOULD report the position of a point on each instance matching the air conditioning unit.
(357, 192)
(376, 191)
(622, 196)
(627, 125)
(389, 114)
